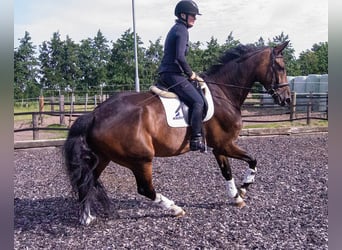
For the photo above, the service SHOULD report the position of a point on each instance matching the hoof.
(180, 214)
(86, 220)
(240, 204)
(177, 211)
(242, 192)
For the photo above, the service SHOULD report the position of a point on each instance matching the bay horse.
(130, 129)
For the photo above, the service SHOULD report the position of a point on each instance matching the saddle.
(177, 112)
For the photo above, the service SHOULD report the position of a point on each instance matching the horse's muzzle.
(288, 101)
(281, 101)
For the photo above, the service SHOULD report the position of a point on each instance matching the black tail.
(80, 162)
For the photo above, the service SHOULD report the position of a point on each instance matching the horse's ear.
(278, 49)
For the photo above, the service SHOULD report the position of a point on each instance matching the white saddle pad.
(174, 112)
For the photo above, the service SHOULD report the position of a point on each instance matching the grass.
(59, 133)
(34, 107)
(314, 123)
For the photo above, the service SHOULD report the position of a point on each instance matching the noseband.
(275, 79)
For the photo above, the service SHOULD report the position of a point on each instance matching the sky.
(304, 21)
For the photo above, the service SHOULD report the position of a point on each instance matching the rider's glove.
(194, 76)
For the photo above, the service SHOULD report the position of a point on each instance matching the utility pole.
(137, 85)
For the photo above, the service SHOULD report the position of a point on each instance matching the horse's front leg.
(249, 177)
(235, 152)
(226, 170)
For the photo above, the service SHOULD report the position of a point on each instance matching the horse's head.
(240, 67)
(273, 75)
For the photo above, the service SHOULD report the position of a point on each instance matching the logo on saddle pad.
(177, 111)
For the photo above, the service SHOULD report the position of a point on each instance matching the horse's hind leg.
(249, 177)
(101, 193)
(143, 176)
(90, 189)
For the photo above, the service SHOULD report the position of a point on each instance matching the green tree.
(100, 56)
(195, 57)
(45, 72)
(314, 61)
(211, 53)
(308, 62)
(230, 42)
(121, 66)
(51, 58)
(150, 63)
(70, 70)
(92, 63)
(292, 66)
(321, 51)
(93, 57)
(86, 65)
(260, 42)
(25, 69)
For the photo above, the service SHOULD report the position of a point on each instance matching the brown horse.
(130, 129)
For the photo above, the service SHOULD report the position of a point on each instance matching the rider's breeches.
(189, 95)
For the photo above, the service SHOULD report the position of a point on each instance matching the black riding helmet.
(186, 7)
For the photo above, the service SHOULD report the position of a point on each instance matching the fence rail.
(258, 108)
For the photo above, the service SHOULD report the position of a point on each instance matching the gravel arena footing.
(287, 206)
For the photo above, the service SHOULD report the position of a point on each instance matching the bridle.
(275, 79)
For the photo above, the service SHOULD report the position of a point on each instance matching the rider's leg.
(196, 141)
(190, 96)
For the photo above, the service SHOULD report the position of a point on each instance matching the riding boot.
(196, 143)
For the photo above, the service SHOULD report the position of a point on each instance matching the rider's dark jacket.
(175, 49)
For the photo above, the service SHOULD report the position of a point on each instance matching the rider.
(175, 72)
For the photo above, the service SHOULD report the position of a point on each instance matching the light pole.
(137, 85)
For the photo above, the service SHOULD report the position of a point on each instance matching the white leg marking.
(163, 202)
(232, 190)
(233, 193)
(243, 191)
(250, 175)
(238, 199)
(169, 205)
(86, 217)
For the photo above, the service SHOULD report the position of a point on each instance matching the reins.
(166, 88)
(274, 85)
(228, 85)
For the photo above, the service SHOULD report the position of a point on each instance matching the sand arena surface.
(287, 207)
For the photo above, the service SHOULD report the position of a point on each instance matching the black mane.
(232, 54)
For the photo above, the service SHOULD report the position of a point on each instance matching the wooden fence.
(258, 108)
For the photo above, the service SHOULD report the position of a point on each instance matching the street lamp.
(137, 85)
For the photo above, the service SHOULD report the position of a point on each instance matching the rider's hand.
(194, 76)
(199, 79)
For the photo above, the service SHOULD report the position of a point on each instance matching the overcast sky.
(305, 21)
